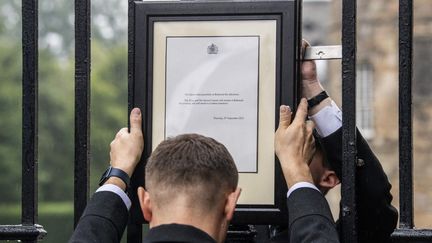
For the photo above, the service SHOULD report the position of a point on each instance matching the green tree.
(10, 121)
(56, 124)
(109, 102)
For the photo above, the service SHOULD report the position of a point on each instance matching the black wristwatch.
(116, 173)
(317, 99)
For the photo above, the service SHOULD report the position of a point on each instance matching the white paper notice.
(212, 89)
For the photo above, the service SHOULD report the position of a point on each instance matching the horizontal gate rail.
(412, 235)
(22, 232)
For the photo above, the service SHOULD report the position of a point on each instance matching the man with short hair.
(191, 190)
(377, 218)
(191, 183)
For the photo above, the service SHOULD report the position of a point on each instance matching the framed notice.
(220, 69)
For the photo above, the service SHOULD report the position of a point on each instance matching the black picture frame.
(287, 14)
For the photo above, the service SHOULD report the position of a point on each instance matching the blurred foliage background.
(56, 105)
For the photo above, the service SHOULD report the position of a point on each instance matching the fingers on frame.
(304, 45)
(302, 112)
(284, 116)
(135, 121)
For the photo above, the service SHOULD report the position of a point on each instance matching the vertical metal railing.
(134, 229)
(29, 111)
(82, 107)
(29, 231)
(131, 50)
(406, 231)
(349, 48)
(405, 113)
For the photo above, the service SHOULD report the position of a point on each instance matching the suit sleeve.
(377, 218)
(103, 220)
(310, 219)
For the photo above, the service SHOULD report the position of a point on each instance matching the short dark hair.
(319, 148)
(194, 164)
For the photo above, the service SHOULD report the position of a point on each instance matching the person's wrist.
(297, 172)
(113, 172)
(116, 181)
(314, 110)
(311, 89)
(124, 167)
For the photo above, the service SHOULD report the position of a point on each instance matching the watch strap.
(110, 172)
(317, 99)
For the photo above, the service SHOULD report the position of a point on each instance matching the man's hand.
(311, 86)
(127, 147)
(295, 144)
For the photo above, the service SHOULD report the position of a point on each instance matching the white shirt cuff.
(299, 185)
(328, 120)
(117, 190)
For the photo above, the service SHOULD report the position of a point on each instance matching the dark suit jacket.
(310, 218)
(177, 233)
(105, 219)
(377, 218)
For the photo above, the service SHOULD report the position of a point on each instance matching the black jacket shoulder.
(377, 218)
(310, 218)
(103, 220)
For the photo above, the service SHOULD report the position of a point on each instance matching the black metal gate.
(30, 231)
